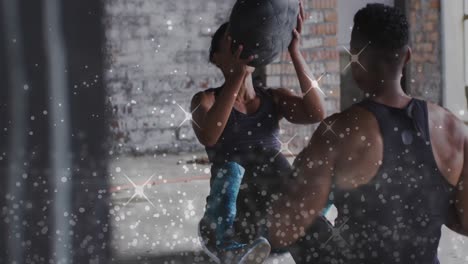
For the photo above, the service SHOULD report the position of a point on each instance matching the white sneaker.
(255, 253)
(207, 238)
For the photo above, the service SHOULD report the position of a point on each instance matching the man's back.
(359, 144)
(395, 167)
(392, 191)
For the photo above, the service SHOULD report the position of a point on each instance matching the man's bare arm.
(462, 191)
(453, 222)
(307, 193)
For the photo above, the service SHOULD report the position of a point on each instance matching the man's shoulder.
(440, 117)
(354, 116)
(349, 131)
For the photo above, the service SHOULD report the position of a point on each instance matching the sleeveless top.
(397, 216)
(246, 136)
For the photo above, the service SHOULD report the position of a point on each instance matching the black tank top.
(397, 216)
(246, 136)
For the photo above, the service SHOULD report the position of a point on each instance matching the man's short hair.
(385, 27)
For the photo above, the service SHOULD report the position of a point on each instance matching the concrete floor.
(159, 224)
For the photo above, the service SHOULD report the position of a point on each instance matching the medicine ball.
(263, 27)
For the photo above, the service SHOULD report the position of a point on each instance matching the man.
(395, 167)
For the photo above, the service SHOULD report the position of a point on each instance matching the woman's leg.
(261, 185)
(221, 202)
(217, 223)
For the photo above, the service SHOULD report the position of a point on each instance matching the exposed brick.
(425, 68)
(331, 16)
(434, 4)
(142, 36)
(330, 41)
(419, 37)
(314, 17)
(273, 81)
(432, 15)
(434, 36)
(333, 66)
(429, 26)
(312, 42)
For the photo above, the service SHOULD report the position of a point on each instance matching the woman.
(238, 124)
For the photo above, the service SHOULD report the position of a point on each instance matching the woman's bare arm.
(209, 115)
(310, 106)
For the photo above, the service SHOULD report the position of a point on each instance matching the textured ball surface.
(263, 27)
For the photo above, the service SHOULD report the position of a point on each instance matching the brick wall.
(158, 58)
(424, 73)
(319, 47)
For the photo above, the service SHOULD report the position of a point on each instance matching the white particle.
(462, 112)
(363, 138)
(26, 87)
(81, 210)
(117, 169)
(206, 170)
(64, 179)
(219, 124)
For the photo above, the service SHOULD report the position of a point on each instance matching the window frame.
(454, 29)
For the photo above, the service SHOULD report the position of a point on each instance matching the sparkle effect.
(188, 115)
(355, 58)
(285, 146)
(329, 127)
(336, 232)
(315, 84)
(139, 190)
